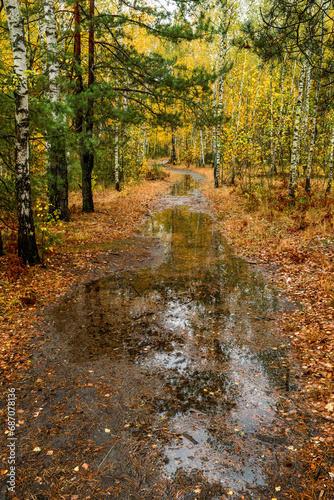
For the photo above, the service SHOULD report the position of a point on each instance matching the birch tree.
(296, 136)
(57, 164)
(331, 163)
(315, 114)
(220, 92)
(27, 247)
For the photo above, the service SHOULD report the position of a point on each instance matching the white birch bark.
(116, 170)
(214, 131)
(331, 163)
(306, 102)
(241, 90)
(52, 46)
(27, 248)
(271, 119)
(315, 114)
(273, 168)
(58, 183)
(296, 135)
(218, 172)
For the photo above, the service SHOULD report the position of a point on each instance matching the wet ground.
(178, 385)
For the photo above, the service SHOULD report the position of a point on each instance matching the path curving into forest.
(169, 381)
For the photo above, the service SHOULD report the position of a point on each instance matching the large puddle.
(200, 327)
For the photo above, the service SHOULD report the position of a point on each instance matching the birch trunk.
(41, 33)
(173, 159)
(306, 104)
(117, 154)
(57, 174)
(331, 162)
(314, 120)
(273, 168)
(27, 247)
(296, 136)
(201, 159)
(218, 172)
(214, 131)
(238, 116)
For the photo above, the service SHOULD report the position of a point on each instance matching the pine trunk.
(78, 120)
(27, 247)
(296, 136)
(57, 172)
(88, 156)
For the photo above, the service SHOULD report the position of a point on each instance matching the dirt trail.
(165, 381)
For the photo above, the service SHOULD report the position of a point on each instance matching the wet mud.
(186, 383)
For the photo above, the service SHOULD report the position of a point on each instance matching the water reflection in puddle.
(186, 186)
(200, 324)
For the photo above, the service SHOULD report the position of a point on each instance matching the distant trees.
(99, 83)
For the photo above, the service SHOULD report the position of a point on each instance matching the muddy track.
(167, 381)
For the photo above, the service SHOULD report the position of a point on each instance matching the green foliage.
(45, 224)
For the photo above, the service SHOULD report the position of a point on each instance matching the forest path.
(165, 382)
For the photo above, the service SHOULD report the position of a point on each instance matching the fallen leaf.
(85, 466)
(330, 407)
(107, 431)
(76, 468)
(50, 452)
(37, 449)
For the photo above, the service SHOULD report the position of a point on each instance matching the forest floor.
(295, 248)
(82, 250)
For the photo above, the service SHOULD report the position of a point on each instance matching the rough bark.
(57, 171)
(88, 155)
(296, 136)
(27, 247)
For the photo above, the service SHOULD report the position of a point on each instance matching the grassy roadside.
(80, 250)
